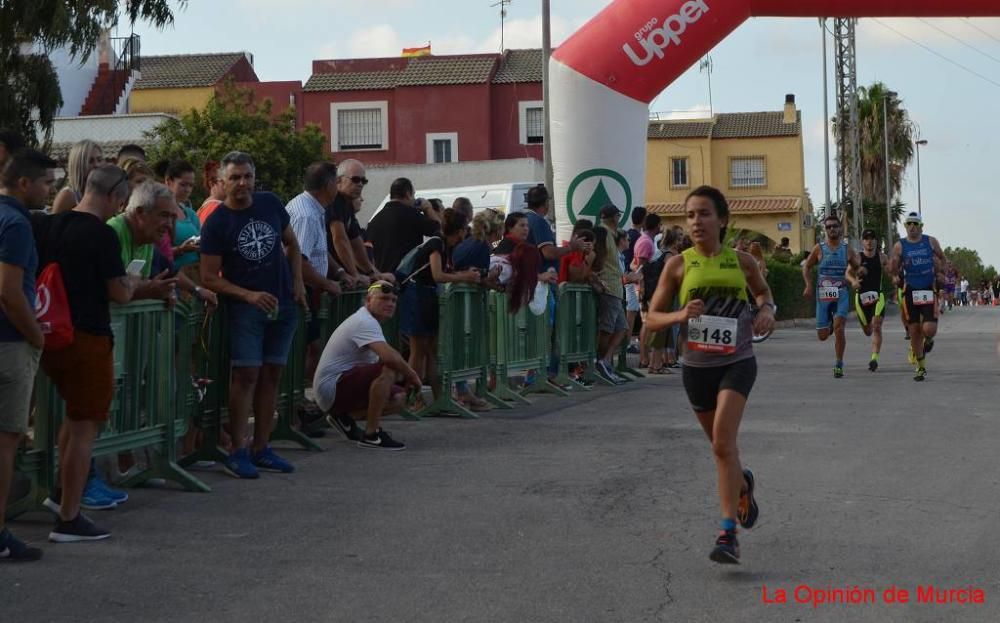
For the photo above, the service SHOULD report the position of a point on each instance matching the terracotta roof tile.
(520, 66)
(421, 71)
(430, 70)
(679, 129)
(755, 125)
(185, 70)
(757, 205)
(352, 81)
(728, 125)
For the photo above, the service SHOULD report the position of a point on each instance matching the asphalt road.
(599, 507)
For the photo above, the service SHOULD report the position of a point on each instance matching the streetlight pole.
(888, 186)
(826, 124)
(547, 144)
(920, 208)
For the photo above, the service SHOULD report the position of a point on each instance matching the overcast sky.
(955, 110)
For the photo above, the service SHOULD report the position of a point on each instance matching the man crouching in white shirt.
(359, 374)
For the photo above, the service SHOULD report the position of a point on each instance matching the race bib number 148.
(712, 334)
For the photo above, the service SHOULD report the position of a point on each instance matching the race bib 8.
(869, 298)
(713, 334)
(923, 297)
(829, 293)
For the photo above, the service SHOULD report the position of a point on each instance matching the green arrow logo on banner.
(600, 197)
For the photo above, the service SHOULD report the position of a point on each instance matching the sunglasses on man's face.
(913, 224)
(833, 226)
(357, 179)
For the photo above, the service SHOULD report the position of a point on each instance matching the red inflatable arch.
(604, 76)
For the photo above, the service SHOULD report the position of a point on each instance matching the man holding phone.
(249, 253)
(147, 218)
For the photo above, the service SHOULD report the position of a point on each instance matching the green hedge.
(786, 286)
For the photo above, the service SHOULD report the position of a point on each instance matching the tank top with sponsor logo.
(724, 334)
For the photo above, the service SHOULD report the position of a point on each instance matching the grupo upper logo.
(42, 300)
(654, 38)
(595, 188)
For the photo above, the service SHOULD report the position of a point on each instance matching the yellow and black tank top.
(727, 335)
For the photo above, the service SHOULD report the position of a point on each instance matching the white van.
(503, 197)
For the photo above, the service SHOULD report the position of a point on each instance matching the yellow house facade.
(175, 101)
(755, 159)
(176, 84)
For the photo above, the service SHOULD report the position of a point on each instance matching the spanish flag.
(424, 51)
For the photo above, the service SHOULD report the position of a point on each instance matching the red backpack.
(51, 303)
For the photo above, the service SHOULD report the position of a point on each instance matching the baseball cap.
(868, 233)
(913, 217)
(610, 210)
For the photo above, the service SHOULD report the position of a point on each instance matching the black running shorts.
(704, 384)
(918, 314)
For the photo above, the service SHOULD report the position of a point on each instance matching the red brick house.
(429, 109)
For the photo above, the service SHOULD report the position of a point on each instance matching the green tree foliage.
(31, 96)
(232, 120)
(873, 102)
(968, 263)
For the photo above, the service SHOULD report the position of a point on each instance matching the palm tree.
(871, 103)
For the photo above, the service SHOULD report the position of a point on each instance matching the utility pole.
(886, 98)
(826, 123)
(706, 66)
(848, 143)
(920, 204)
(546, 142)
(503, 16)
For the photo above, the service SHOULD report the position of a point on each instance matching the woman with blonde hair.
(83, 157)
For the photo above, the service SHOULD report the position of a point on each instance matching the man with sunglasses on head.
(915, 262)
(833, 256)
(869, 301)
(360, 376)
(345, 243)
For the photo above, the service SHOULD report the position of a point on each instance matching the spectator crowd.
(122, 229)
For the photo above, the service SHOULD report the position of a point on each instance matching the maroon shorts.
(84, 375)
(353, 388)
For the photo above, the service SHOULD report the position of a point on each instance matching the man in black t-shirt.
(344, 240)
(89, 257)
(401, 225)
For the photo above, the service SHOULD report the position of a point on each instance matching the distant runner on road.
(832, 302)
(869, 301)
(914, 265)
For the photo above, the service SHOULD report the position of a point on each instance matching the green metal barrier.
(291, 390)
(518, 343)
(212, 362)
(462, 354)
(576, 328)
(142, 413)
(621, 365)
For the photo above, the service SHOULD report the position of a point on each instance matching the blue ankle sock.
(727, 525)
(839, 364)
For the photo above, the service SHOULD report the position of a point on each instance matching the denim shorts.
(255, 340)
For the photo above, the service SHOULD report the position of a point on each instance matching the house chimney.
(790, 116)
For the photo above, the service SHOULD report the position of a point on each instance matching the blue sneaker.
(115, 495)
(238, 465)
(94, 498)
(268, 461)
(727, 549)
